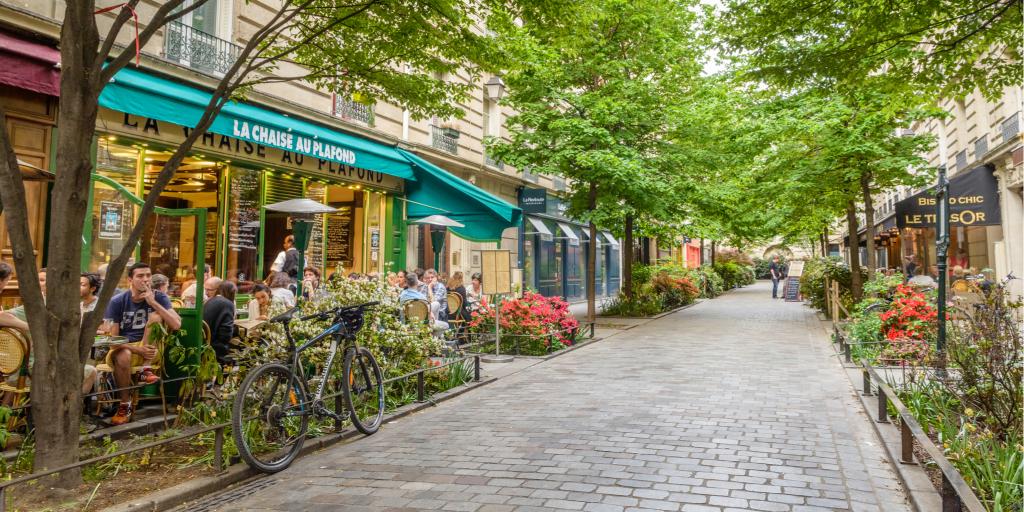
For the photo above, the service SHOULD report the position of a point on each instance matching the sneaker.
(148, 377)
(124, 414)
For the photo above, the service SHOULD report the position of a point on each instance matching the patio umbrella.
(438, 220)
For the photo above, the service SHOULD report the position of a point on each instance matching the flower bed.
(533, 323)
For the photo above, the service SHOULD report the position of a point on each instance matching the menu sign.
(315, 252)
(111, 219)
(339, 236)
(244, 224)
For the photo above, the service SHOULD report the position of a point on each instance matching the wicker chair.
(454, 312)
(106, 395)
(14, 351)
(416, 311)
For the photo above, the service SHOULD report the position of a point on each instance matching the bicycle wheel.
(363, 390)
(269, 418)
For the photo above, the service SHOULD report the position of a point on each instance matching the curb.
(201, 487)
(919, 489)
(649, 318)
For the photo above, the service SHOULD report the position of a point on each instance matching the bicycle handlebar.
(287, 316)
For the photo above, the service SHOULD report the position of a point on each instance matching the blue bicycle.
(271, 410)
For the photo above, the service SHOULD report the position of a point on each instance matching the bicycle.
(271, 411)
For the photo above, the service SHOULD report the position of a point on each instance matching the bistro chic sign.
(250, 149)
(973, 201)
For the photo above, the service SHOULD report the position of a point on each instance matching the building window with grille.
(1011, 127)
(353, 107)
(961, 160)
(980, 148)
(201, 39)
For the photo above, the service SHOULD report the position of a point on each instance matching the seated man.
(410, 293)
(219, 314)
(132, 312)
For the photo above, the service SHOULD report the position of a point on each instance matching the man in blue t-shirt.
(132, 312)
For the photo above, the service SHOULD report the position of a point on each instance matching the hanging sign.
(973, 201)
(533, 200)
(111, 220)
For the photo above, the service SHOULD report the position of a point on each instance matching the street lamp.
(495, 88)
(941, 249)
(302, 212)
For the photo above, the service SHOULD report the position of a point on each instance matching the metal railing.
(198, 50)
(219, 429)
(351, 110)
(444, 139)
(488, 160)
(513, 343)
(955, 493)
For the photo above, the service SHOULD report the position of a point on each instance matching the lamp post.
(941, 249)
(302, 212)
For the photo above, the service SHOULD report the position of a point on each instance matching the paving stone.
(737, 402)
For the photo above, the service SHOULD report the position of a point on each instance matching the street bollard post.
(883, 406)
(218, 449)
(476, 368)
(867, 382)
(420, 388)
(906, 443)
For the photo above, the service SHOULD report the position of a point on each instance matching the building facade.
(379, 167)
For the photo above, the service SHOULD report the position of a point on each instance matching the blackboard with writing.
(244, 211)
(793, 289)
(338, 240)
(315, 251)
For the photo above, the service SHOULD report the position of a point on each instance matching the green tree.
(339, 46)
(944, 47)
(589, 91)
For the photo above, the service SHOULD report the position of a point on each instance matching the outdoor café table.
(247, 325)
(104, 341)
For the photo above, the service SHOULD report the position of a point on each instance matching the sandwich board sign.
(497, 272)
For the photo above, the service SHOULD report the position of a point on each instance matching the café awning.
(569, 232)
(436, 191)
(141, 94)
(539, 227)
(26, 64)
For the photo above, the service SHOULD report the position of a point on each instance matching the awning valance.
(973, 201)
(611, 239)
(137, 93)
(569, 232)
(29, 65)
(436, 191)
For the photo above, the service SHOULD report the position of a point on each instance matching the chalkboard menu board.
(339, 236)
(243, 224)
(210, 247)
(792, 290)
(315, 251)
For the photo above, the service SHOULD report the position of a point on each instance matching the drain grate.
(216, 501)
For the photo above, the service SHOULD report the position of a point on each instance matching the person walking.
(775, 269)
(287, 261)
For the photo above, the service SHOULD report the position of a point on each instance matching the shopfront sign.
(973, 201)
(111, 220)
(253, 145)
(533, 200)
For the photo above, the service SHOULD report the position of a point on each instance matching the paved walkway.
(734, 404)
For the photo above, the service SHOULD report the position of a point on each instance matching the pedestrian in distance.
(775, 269)
(287, 261)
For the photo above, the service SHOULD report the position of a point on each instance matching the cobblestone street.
(734, 404)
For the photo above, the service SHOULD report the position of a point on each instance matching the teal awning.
(436, 191)
(145, 95)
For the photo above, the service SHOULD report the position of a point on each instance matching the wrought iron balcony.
(198, 50)
(488, 160)
(347, 108)
(445, 139)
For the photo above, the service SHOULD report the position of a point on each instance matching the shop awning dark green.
(436, 191)
(140, 94)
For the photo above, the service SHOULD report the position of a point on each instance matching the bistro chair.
(416, 311)
(177, 303)
(455, 319)
(14, 351)
(106, 393)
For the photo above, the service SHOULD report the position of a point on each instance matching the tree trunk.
(702, 252)
(823, 238)
(592, 258)
(869, 222)
(712, 253)
(856, 286)
(627, 258)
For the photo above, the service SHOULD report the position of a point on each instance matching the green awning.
(436, 191)
(145, 95)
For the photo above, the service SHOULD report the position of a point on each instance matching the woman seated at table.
(259, 306)
(280, 291)
(219, 314)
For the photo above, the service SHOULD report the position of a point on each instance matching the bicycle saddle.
(285, 317)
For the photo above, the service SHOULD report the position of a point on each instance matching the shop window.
(113, 214)
(980, 148)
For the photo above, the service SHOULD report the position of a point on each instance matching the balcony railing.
(347, 108)
(489, 160)
(198, 50)
(1011, 127)
(980, 148)
(445, 139)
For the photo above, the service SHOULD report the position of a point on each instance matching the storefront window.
(243, 227)
(373, 253)
(113, 215)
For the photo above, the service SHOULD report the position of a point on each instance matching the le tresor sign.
(973, 201)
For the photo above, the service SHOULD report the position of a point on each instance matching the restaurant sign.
(973, 201)
(247, 147)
